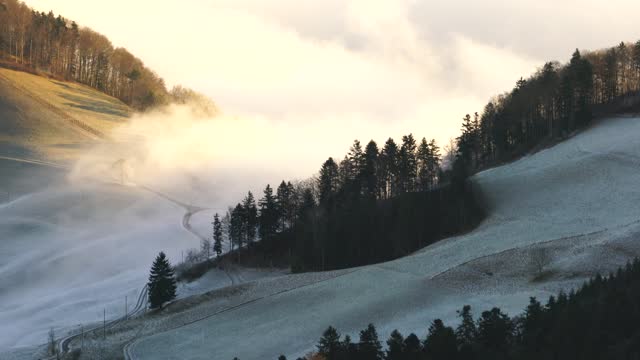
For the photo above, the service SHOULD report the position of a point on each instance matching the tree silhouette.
(162, 282)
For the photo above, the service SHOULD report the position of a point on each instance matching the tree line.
(373, 205)
(552, 103)
(599, 321)
(39, 41)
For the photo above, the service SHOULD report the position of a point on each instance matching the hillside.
(575, 202)
(50, 120)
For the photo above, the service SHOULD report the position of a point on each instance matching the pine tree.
(424, 160)
(395, 346)
(329, 345)
(408, 164)
(237, 228)
(284, 205)
(466, 332)
(441, 342)
(162, 282)
(250, 220)
(494, 333)
(369, 176)
(412, 348)
(389, 163)
(268, 214)
(328, 181)
(217, 235)
(434, 162)
(369, 347)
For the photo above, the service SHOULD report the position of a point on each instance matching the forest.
(378, 204)
(596, 322)
(374, 205)
(551, 104)
(46, 44)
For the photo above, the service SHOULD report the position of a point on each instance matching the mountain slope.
(53, 120)
(577, 202)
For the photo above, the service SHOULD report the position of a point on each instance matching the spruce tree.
(441, 342)
(424, 162)
(412, 348)
(369, 347)
(268, 219)
(369, 176)
(467, 331)
(162, 282)
(329, 345)
(395, 346)
(408, 164)
(389, 164)
(284, 200)
(328, 181)
(250, 220)
(217, 235)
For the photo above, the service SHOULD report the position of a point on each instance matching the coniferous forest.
(380, 203)
(599, 321)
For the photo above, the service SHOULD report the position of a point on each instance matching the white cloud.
(300, 81)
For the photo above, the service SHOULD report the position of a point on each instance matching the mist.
(296, 83)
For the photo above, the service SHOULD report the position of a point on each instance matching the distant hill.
(50, 120)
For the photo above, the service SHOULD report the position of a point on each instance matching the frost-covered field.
(578, 200)
(68, 252)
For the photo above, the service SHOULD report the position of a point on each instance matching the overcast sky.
(331, 71)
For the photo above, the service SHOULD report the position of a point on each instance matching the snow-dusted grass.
(578, 198)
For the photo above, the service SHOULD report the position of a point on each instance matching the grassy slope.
(53, 120)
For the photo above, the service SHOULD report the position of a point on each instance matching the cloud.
(297, 84)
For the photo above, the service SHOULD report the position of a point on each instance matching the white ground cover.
(579, 200)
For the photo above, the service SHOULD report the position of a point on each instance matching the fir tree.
(250, 220)
(408, 164)
(329, 345)
(217, 235)
(268, 214)
(369, 347)
(162, 282)
(466, 332)
(412, 348)
(389, 164)
(441, 343)
(328, 181)
(395, 346)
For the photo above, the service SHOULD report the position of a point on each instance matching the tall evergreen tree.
(390, 168)
(495, 330)
(412, 348)
(162, 282)
(369, 175)
(217, 235)
(395, 346)
(467, 331)
(369, 347)
(424, 159)
(329, 345)
(328, 181)
(408, 164)
(268, 214)
(284, 198)
(250, 217)
(441, 343)
(237, 229)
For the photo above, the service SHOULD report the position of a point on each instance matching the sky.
(304, 79)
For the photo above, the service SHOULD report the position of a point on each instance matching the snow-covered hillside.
(578, 200)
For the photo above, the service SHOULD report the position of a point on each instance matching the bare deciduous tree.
(539, 259)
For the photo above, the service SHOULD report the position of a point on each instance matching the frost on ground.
(576, 204)
(578, 200)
